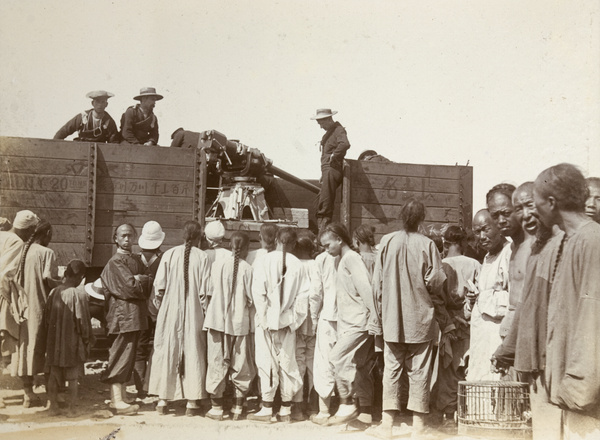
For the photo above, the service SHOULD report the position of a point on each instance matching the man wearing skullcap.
(139, 125)
(334, 145)
(11, 244)
(94, 125)
(214, 232)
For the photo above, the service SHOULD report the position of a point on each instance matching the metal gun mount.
(245, 175)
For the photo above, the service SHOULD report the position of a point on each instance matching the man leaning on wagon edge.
(93, 125)
(139, 125)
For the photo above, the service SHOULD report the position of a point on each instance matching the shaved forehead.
(526, 188)
(482, 216)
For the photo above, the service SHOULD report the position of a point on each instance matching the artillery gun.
(244, 178)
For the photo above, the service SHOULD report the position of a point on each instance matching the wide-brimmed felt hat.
(99, 94)
(152, 236)
(323, 113)
(148, 91)
(95, 289)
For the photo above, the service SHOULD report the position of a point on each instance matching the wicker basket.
(494, 409)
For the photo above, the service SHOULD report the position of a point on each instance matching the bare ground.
(33, 423)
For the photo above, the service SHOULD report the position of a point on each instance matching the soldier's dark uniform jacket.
(138, 129)
(105, 131)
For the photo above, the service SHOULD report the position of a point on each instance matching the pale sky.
(510, 86)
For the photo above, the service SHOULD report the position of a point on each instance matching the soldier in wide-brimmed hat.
(333, 149)
(93, 125)
(139, 125)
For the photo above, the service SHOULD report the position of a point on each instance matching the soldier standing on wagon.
(93, 125)
(334, 145)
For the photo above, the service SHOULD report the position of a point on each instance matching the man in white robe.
(274, 294)
(491, 304)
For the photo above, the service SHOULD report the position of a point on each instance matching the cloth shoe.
(380, 431)
(344, 414)
(321, 418)
(215, 413)
(264, 415)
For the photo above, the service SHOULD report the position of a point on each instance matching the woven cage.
(494, 409)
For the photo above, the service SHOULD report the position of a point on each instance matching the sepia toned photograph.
(300, 219)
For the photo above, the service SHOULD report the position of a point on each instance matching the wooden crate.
(374, 193)
(85, 190)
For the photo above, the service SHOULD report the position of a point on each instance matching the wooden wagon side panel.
(376, 191)
(50, 178)
(139, 183)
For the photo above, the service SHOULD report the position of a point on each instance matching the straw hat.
(99, 94)
(95, 289)
(148, 91)
(152, 236)
(323, 113)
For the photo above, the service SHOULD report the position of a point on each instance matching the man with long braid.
(572, 370)
(179, 358)
(11, 245)
(126, 290)
(38, 274)
(229, 350)
(408, 282)
(277, 281)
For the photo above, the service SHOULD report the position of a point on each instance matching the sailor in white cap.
(139, 125)
(214, 232)
(334, 145)
(93, 125)
(150, 240)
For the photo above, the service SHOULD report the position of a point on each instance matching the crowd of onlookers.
(334, 326)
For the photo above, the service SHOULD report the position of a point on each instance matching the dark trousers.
(121, 357)
(330, 181)
(142, 356)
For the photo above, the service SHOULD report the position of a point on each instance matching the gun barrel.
(293, 179)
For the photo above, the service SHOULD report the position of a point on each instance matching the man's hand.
(498, 367)
(451, 335)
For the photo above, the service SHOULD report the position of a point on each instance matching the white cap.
(152, 236)
(25, 219)
(214, 231)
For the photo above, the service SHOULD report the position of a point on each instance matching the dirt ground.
(94, 421)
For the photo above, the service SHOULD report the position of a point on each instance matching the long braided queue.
(21, 279)
(239, 241)
(191, 234)
(558, 257)
(288, 238)
(41, 230)
(186, 267)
